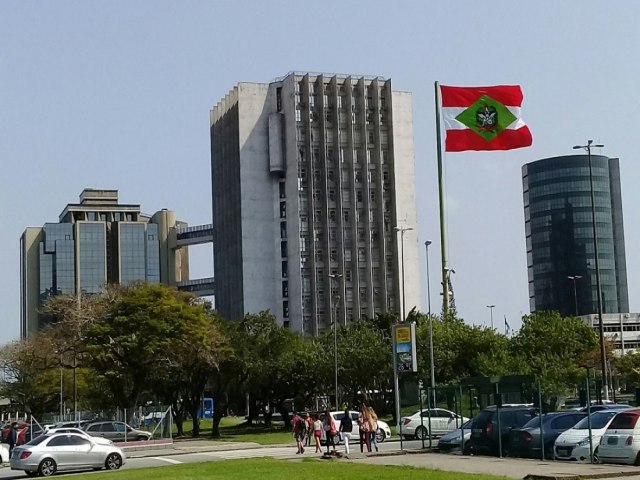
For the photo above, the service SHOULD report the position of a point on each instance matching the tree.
(554, 349)
(138, 332)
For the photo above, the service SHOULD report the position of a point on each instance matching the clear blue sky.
(117, 95)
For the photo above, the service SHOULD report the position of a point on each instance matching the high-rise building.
(313, 176)
(559, 233)
(96, 242)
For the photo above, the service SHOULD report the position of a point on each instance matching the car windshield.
(38, 440)
(598, 420)
(467, 425)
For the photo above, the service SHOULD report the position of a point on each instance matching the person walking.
(309, 430)
(373, 427)
(365, 427)
(330, 431)
(299, 428)
(317, 432)
(346, 427)
(12, 437)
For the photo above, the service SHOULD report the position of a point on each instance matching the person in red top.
(309, 431)
(299, 430)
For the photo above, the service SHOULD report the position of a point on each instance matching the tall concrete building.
(312, 175)
(559, 233)
(95, 242)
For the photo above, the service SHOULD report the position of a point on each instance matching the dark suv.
(485, 434)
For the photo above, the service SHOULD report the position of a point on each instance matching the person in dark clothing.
(346, 427)
(12, 437)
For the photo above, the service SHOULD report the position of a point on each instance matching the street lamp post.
(491, 307)
(402, 230)
(574, 279)
(431, 360)
(336, 277)
(603, 353)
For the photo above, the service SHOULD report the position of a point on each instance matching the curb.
(580, 477)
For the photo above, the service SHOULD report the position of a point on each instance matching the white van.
(621, 441)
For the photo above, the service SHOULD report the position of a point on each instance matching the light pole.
(574, 279)
(402, 230)
(491, 307)
(336, 277)
(603, 353)
(431, 360)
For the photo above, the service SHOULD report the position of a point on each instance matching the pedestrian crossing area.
(275, 452)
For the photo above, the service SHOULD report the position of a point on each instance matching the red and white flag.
(483, 118)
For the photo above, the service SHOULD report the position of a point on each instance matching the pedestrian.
(330, 431)
(346, 427)
(317, 432)
(299, 428)
(364, 426)
(12, 437)
(267, 415)
(373, 427)
(309, 430)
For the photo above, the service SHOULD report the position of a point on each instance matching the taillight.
(25, 454)
(629, 440)
(407, 421)
(526, 437)
(489, 429)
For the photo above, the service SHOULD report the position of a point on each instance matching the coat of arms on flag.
(483, 118)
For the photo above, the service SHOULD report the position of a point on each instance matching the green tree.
(554, 349)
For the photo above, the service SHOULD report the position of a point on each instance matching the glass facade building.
(559, 235)
(97, 241)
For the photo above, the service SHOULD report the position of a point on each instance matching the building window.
(283, 249)
(285, 312)
(345, 216)
(281, 188)
(279, 99)
(285, 269)
(283, 210)
(283, 230)
(285, 289)
(347, 275)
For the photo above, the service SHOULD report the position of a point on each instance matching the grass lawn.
(236, 429)
(270, 469)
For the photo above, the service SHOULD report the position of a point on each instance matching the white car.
(573, 444)
(382, 434)
(621, 441)
(4, 453)
(442, 421)
(78, 431)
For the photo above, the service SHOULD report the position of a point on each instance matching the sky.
(117, 94)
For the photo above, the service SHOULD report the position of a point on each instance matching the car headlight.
(583, 442)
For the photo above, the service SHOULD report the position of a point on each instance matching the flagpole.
(441, 196)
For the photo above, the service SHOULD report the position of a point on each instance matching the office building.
(312, 176)
(559, 235)
(96, 242)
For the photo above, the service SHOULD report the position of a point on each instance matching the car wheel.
(637, 462)
(142, 438)
(380, 435)
(421, 433)
(47, 467)
(113, 462)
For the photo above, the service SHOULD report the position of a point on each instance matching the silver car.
(49, 453)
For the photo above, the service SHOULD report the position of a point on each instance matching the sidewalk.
(507, 467)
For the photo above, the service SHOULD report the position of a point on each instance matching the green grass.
(270, 469)
(236, 429)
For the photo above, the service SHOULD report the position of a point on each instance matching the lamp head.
(427, 243)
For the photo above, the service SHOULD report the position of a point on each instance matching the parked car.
(116, 431)
(526, 442)
(574, 443)
(4, 453)
(78, 431)
(453, 440)
(442, 421)
(606, 406)
(621, 441)
(47, 454)
(382, 434)
(484, 432)
(24, 430)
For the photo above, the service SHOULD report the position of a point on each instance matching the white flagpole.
(441, 196)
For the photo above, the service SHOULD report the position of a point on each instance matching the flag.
(483, 118)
